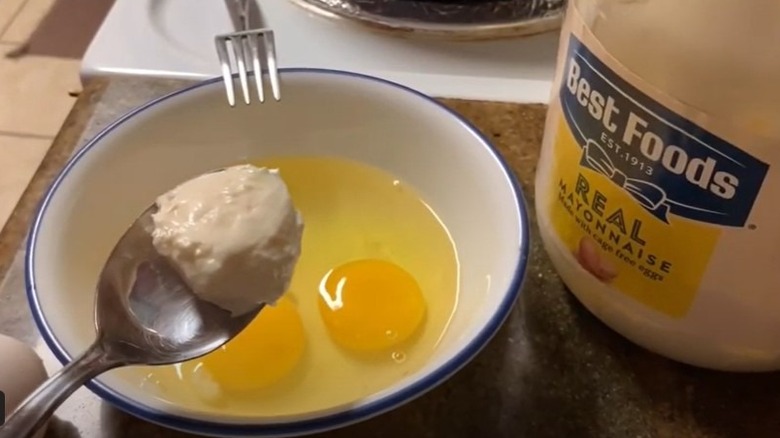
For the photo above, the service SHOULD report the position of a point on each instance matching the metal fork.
(247, 45)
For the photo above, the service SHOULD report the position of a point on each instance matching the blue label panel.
(668, 164)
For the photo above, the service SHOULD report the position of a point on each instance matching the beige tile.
(19, 159)
(34, 93)
(8, 10)
(27, 20)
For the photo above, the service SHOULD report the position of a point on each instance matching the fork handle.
(244, 13)
(34, 412)
(239, 11)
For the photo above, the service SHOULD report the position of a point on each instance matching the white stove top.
(174, 38)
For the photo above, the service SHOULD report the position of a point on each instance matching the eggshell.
(21, 373)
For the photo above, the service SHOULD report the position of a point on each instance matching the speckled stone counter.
(552, 371)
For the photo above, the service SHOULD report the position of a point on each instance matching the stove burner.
(447, 19)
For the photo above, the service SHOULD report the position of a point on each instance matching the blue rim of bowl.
(312, 425)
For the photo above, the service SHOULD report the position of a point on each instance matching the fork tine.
(256, 68)
(246, 50)
(224, 62)
(270, 56)
(238, 50)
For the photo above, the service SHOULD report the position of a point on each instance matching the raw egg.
(371, 298)
(261, 355)
(370, 305)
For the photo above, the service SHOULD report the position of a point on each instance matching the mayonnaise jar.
(657, 191)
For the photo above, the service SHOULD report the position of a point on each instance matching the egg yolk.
(263, 353)
(370, 305)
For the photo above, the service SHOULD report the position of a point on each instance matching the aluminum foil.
(452, 19)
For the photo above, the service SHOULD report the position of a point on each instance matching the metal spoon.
(144, 314)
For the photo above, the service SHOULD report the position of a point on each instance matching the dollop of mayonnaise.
(234, 235)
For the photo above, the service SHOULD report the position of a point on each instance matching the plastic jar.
(657, 190)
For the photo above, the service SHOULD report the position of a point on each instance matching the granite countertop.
(553, 370)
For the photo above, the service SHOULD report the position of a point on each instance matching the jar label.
(639, 193)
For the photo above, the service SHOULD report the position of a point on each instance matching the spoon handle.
(37, 408)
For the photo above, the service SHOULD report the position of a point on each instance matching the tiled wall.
(34, 99)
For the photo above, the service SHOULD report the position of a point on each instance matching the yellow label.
(637, 189)
(619, 242)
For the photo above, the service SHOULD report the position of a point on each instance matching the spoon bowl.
(145, 313)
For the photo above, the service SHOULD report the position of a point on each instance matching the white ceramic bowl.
(106, 184)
